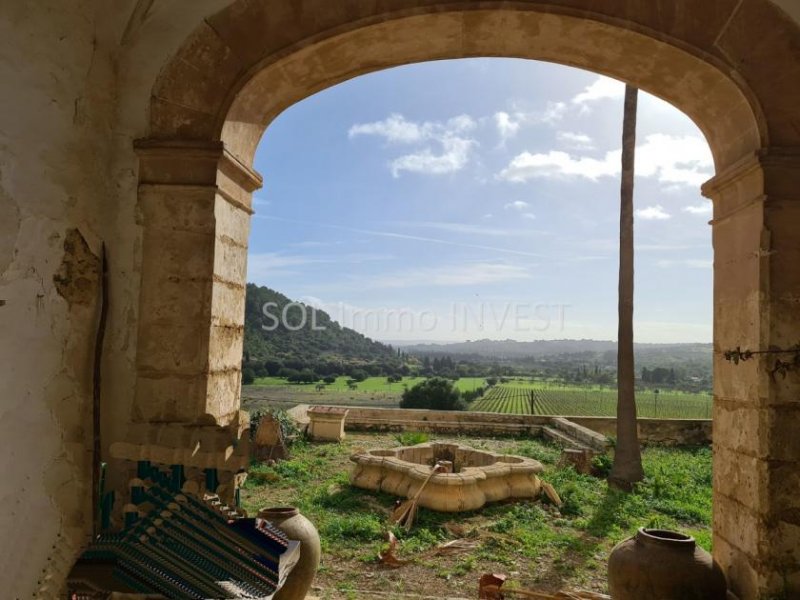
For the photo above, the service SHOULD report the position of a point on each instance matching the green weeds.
(569, 545)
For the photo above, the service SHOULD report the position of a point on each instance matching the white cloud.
(454, 157)
(506, 126)
(671, 160)
(690, 263)
(553, 113)
(450, 275)
(450, 135)
(528, 215)
(699, 209)
(516, 205)
(555, 163)
(653, 213)
(488, 216)
(576, 141)
(395, 128)
(682, 160)
(602, 87)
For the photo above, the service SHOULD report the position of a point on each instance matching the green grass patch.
(559, 547)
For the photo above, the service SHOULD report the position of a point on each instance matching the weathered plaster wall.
(53, 149)
(67, 182)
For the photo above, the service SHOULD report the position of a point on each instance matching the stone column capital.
(765, 159)
(192, 162)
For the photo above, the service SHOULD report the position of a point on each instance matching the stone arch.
(731, 65)
(241, 67)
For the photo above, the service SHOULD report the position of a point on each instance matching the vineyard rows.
(591, 403)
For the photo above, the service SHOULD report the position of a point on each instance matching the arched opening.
(238, 113)
(313, 211)
(418, 159)
(248, 63)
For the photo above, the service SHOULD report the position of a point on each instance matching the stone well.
(478, 476)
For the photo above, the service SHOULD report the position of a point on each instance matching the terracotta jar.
(296, 527)
(663, 565)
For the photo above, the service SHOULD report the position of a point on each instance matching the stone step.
(587, 437)
(563, 439)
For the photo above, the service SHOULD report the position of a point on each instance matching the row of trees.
(324, 368)
(659, 375)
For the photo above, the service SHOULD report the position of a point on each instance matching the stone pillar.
(195, 206)
(756, 233)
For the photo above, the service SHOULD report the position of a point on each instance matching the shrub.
(330, 379)
(248, 376)
(435, 393)
(471, 395)
(273, 366)
(358, 375)
(601, 465)
(412, 438)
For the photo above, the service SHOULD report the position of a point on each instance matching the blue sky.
(479, 198)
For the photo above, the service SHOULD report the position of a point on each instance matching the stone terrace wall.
(661, 431)
(671, 432)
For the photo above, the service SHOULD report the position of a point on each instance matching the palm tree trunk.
(627, 468)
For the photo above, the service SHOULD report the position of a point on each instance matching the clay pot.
(296, 527)
(663, 565)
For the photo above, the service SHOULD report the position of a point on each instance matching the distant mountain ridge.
(515, 349)
(310, 338)
(306, 334)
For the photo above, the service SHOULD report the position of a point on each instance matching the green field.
(370, 384)
(514, 396)
(275, 392)
(517, 397)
